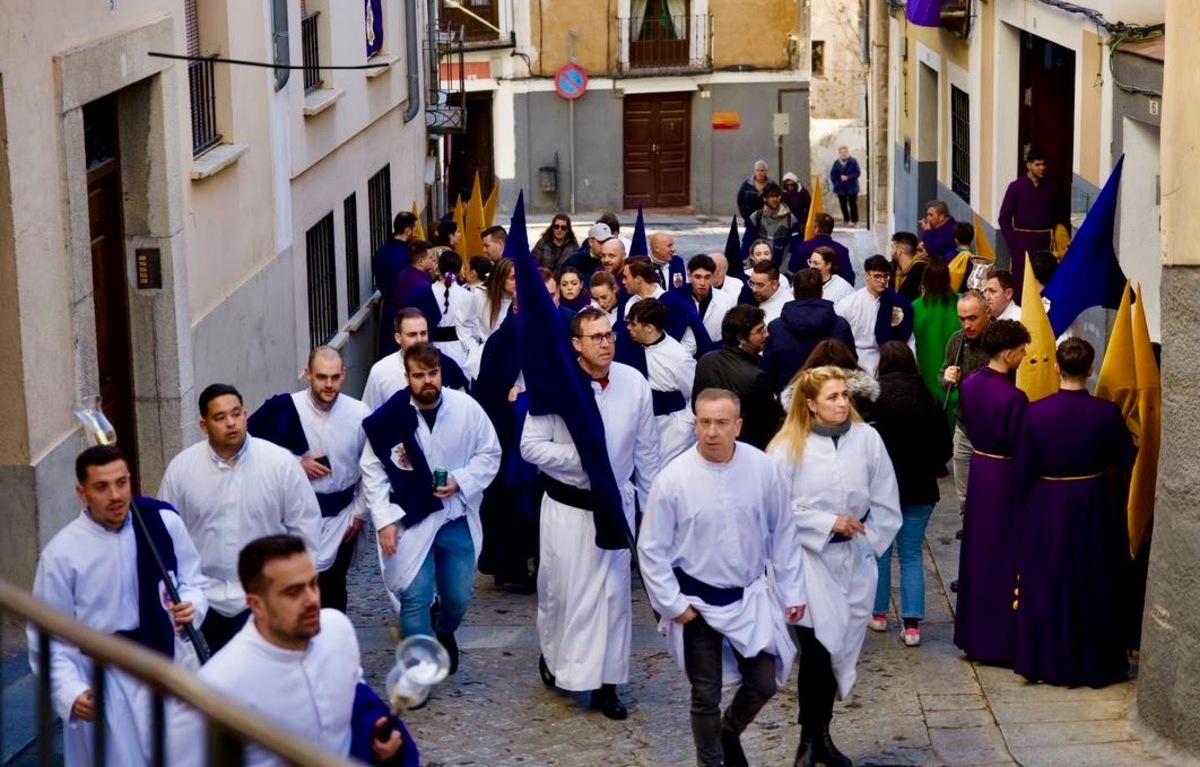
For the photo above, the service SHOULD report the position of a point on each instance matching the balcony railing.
(230, 726)
(201, 83)
(310, 44)
(445, 77)
(664, 44)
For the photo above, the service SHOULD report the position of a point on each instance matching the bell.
(421, 663)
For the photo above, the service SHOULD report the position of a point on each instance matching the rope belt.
(989, 455)
(1097, 475)
(1033, 231)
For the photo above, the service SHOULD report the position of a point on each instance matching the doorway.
(657, 150)
(1046, 111)
(114, 354)
(472, 151)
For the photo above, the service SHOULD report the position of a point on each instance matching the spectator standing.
(844, 177)
(796, 196)
(556, 244)
(749, 194)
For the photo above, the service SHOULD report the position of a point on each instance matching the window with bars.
(310, 45)
(350, 224)
(322, 282)
(960, 143)
(201, 86)
(379, 206)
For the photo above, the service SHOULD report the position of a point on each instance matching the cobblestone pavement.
(911, 706)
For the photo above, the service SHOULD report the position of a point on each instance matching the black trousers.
(849, 203)
(218, 629)
(333, 581)
(816, 684)
(702, 647)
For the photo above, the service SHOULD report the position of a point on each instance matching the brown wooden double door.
(657, 150)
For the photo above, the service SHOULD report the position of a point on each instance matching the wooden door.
(657, 150)
(472, 151)
(1046, 115)
(111, 290)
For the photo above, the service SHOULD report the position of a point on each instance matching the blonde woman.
(846, 504)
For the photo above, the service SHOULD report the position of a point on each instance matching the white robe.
(387, 377)
(483, 328)
(714, 313)
(732, 287)
(225, 507)
(860, 309)
(89, 573)
(723, 524)
(1011, 312)
(309, 693)
(670, 368)
(464, 443)
(338, 435)
(688, 339)
(773, 306)
(851, 478)
(584, 613)
(459, 311)
(836, 289)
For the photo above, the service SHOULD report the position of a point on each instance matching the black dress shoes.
(605, 701)
(829, 754)
(806, 752)
(731, 748)
(544, 670)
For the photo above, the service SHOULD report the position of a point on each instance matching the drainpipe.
(413, 59)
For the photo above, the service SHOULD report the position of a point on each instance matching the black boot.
(829, 754)
(543, 669)
(806, 752)
(605, 701)
(731, 746)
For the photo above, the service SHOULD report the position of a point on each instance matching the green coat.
(933, 324)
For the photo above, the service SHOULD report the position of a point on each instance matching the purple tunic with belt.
(991, 410)
(939, 241)
(1027, 219)
(1073, 554)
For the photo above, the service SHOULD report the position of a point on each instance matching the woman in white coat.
(846, 505)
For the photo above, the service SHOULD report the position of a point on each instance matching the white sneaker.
(912, 637)
(877, 622)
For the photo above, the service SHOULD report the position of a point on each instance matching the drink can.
(440, 477)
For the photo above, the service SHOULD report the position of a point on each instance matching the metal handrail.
(164, 677)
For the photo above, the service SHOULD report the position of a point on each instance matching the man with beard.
(388, 376)
(295, 664)
(431, 453)
(323, 428)
(230, 489)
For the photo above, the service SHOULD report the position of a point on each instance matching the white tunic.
(860, 309)
(337, 434)
(387, 377)
(714, 313)
(464, 443)
(851, 478)
(309, 692)
(483, 327)
(459, 312)
(89, 573)
(836, 289)
(688, 339)
(723, 523)
(1011, 312)
(773, 306)
(264, 492)
(670, 368)
(732, 287)
(584, 614)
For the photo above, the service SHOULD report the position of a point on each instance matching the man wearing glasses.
(584, 611)
(876, 313)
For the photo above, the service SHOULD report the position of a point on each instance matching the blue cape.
(412, 489)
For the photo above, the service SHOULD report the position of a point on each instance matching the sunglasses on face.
(559, 227)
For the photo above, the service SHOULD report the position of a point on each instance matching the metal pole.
(571, 141)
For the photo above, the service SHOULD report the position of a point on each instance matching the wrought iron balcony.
(664, 44)
(445, 104)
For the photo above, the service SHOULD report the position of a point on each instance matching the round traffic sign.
(570, 82)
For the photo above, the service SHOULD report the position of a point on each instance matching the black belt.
(667, 402)
(332, 503)
(839, 538)
(567, 495)
(717, 596)
(443, 334)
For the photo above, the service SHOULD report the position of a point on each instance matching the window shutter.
(192, 24)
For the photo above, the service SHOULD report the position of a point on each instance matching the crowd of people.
(749, 430)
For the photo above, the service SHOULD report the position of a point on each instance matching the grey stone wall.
(1169, 672)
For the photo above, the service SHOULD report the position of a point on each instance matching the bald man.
(612, 259)
(722, 281)
(670, 268)
(323, 428)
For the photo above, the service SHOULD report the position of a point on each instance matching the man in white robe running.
(231, 488)
(98, 571)
(718, 515)
(429, 457)
(584, 610)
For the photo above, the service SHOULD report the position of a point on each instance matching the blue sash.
(156, 629)
(682, 315)
(884, 332)
(412, 489)
(277, 421)
(667, 402)
(332, 503)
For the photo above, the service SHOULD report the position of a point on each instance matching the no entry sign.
(570, 82)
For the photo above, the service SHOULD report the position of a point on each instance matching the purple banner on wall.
(924, 13)
(374, 27)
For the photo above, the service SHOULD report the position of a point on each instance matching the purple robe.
(939, 241)
(991, 410)
(1027, 219)
(800, 254)
(407, 282)
(1073, 554)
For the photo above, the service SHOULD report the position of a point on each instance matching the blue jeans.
(450, 566)
(912, 573)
